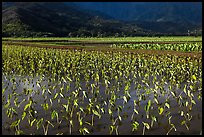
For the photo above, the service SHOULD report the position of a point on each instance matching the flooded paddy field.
(123, 112)
(51, 91)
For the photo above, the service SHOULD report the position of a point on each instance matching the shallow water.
(101, 126)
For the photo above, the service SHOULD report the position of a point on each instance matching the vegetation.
(186, 47)
(49, 91)
(61, 19)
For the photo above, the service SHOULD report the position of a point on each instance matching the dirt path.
(105, 43)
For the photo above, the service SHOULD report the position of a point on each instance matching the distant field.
(182, 46)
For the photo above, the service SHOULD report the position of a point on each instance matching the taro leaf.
(173, 93)
(191, 87)
(64, 80)
(7, 104)
(146, 125)
(148, 105)
(186, 103)
(3, 90)
(84, 94)
(38, 84)
(136, 111)
(125, 99)
(80, 123)
(86, 130)
(15, 123)
(48, 90)
(19, 132)
(103, 110)
(54, 114)
(56, 95)
(76, 102)
(189, 93)
(193, 101)
(193, 77)
(48, 122)
(43, 91)
(61, 95)
(109, 111)
(119, 117)
(183, 122)
(23, 115)
(167, 105)
(135, 126)
(97, 77)
(161, 109)
(155, 99)
(88, 123)
(14, 110)
(120, 108)
(81, 109)
(32, 122)
(96, 113)
(184, 89)
(26, 106)
(66, 107)
(126, 87)
(69, 79)
(107, 82)
(182, 113)
(71, 122)
(50, 101)
(112, 128)
(45, 106)
(154, 118)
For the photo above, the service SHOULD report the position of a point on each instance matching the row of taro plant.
(186, 47)
(46, 91)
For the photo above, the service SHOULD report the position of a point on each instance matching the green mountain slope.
(57, 19)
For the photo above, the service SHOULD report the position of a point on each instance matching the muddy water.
(101, 126)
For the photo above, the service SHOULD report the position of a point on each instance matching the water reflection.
(101, 126)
